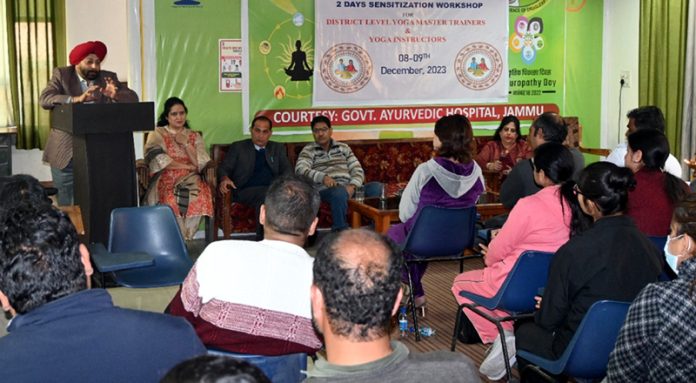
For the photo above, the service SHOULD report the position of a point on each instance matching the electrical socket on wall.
(625, 76)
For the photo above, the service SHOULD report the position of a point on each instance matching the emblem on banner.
(478, 66)
(346, 68)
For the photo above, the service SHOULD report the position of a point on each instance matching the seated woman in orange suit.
(176, 155)
(505, 149)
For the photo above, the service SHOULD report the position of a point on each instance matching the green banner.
(562, 72)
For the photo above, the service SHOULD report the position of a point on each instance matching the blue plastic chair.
(290, 368)
(587, 354)
(659, 242)
(152, 230)
(667, 273)
(515, 297)
(439, 234)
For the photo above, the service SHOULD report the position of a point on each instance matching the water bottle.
(403, 322)
(424, 331)
(383, 199)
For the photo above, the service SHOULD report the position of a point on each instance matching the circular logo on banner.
(346, 68)
(478, 66)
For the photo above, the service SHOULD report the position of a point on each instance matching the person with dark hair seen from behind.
(548, 127)
(505, 150)
(543, 221)
(355, 294)
(658, 340)
(81, 82)
(251, 165)
(234, 283)
(651, 203)
(176, 155)
(644, 118)
(451, 179)
(610, 260)
(74, 331)
(215, 369)
(333, 168)
(22, 187)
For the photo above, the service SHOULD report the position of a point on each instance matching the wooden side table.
(382, 214)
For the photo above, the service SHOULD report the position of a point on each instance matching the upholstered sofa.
(390, 161)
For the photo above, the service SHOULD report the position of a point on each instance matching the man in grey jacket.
(356, 292)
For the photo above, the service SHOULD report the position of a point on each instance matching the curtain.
(688, 146)
(6, 115)
(662, 58)
(35, 39)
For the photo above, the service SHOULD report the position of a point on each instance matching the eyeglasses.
(576, 189)
(321, 130)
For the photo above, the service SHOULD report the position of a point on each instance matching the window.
(6, 117)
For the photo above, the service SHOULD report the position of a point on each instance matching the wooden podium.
(103, 157)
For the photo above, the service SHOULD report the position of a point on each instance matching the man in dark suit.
(251, 165)
(81, 82)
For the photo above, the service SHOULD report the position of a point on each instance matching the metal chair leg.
(457, 327)
(501, 331)
(412, 299)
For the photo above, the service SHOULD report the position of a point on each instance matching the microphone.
(96, 94)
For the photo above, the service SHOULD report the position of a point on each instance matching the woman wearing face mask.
(611, 260)
(658, 340)
(651, 203)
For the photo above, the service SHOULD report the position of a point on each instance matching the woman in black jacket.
(611, 260)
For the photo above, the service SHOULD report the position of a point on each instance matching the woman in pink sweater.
(543, 221)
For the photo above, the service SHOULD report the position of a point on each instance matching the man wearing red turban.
(81, 82)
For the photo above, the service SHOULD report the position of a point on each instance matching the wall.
(106, 20)
(103, 20)
(620, 53)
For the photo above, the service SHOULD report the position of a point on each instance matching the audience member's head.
(603, 188)
(509, 122)
(454, 138)
(168, 105)
(41, 259)
(321, 130)
(548, 127)
(553, 165)
(681, 242)
(555, 161)
(261, 130)
(214, 369)
(21, 187)
(356, 290)
(290, 207)
(647, 148)
(684, 216)
(645, 117)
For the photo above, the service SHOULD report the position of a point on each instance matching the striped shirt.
(338, 162)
